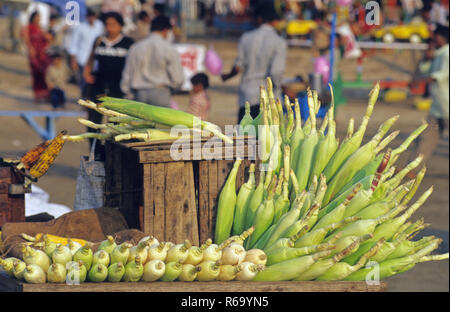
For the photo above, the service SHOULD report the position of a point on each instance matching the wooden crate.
(12, 285)
(172, 199)
(12, 202)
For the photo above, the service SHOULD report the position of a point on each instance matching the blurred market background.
(390, 49)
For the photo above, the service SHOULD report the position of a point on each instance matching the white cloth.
(37, 202)
(83, 39)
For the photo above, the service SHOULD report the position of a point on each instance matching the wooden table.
(12, 285)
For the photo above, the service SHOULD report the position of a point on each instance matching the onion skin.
(233, 254)
(195, 256)
(149, 240)
(62, 255)
(116, 272)
(73, 246)
(173, 270)
(157, 253)
(84, 254)
(188, 273)
(34, 274)
(133, 270)
(56, 273)
(228, 272)
(101, 256)
(74, 269)
(256, 256)
(210, 271)
(153, 270)
(178, 252)
(98, 273)
(212, 253)
(108, 244)
(49, 246)
(121, 253)
(36, 256)
(249, 271)
(139, 250)
(19, 269)
(8, 264)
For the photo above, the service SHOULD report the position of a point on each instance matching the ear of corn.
(226, 206)
(46, 159)
(243, 200)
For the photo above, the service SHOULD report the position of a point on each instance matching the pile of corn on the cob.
(324, 210)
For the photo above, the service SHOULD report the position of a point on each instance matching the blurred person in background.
(82, 40)
(56, 78)
(153, 67)
(103, 70)
(199, 104)
(438, 79)
(125, 8)
(142, 29)
(37, 41)
(261, 54)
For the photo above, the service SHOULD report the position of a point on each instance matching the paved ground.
(16, 137)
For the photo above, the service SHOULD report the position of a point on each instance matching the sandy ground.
(16, 137)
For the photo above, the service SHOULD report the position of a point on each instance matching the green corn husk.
(289, 269)
(323, 265)
(226, 206)
(161, 115)
(246, 121)
(242, 202)
(341, 270)
(352, 144)
(283, 254)
(394, 266)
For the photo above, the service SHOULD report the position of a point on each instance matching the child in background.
(199, 104)
(56, 78)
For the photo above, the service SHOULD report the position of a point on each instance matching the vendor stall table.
(169, 198)
(12, 285)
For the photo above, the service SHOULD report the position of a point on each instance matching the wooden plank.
(203, 201)
(148, 212)
(9, 284)
(187, 154)
(212, 194)
(158, 203)
(189, 212)
(17, 208)
(5, 173)
(174, 203)
(4, 188)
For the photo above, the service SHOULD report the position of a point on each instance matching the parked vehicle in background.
(413, 32)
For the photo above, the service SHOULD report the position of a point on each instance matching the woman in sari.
(37, 42)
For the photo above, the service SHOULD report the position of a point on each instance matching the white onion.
(34, 274)
(233, 254)
(249, 271)
(256, 256)
(153, 270)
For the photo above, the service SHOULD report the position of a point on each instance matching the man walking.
(439, 89)
(261, 54)
(153, 67)
(82, 42)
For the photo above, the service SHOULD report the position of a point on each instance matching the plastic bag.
(213, 62)
(90, 182)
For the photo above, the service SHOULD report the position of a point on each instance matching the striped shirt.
(199, 105)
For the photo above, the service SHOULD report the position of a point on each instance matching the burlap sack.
(92, 225)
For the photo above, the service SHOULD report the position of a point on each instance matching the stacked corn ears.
(131, 120)
(324, 209)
